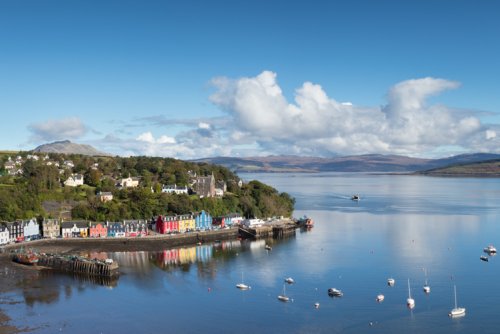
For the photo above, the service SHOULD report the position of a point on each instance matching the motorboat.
(316, 305)
(410, 302)
(490, 249)
(283, 297)
(267, 247)
(484, 258)
(457, 311)
(332, 292)
(355, 197)
(380, 298)
(289, 280)
(391, 281)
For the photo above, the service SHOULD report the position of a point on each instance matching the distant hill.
(67, 147)
(356, 163)
(490, 168)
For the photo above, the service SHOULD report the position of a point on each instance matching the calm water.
(402, 225)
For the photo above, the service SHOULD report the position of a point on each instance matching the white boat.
(426, 288)
(457, 311)
(267, 247)
(316, 305)
(490, 249)
(242, 286)
(410, 302)
(283, 297)
(380, 298)
(391, 281)
(332, 292)
(289, 280)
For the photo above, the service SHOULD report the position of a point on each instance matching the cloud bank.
(259, 120)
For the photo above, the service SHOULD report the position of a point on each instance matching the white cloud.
(490, 134)
(318, 124)
(67, 128)
(146, 137)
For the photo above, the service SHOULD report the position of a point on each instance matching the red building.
(98, 230)
(219, 222)
(167, 224)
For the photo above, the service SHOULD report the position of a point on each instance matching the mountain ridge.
(67, 147)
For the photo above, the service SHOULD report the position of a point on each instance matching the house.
(252, 222)
(205, 186)
(74, 180)
(33, 157)
(74, 229)
(105, 196)
(186, 223)
(116, 229)
(98, 230)
(31, 229)
(51, 228)
(129, 182)
(4, 235)
(233, 219)
(167, 224)
(16, 231)
(174, 189)
(203, 221)
(68, 164)
(135, 228)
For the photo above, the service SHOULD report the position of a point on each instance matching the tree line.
(39, 190)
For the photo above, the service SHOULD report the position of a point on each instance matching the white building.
(4, 235)
(252, 222)
(173, 189)
(31, 229)
(129, 182)
(74, 180)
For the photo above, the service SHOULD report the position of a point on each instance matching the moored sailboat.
(457, 311)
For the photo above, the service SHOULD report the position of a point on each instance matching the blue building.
(203, 221)
(116, 229)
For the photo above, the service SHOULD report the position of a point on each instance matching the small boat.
(316, 305)
(490, 249)
(355, 197)
(457, 311)
(391, 281)
(305, 222)
(426, 288)
(380, 298)
(27, 258)
(332, 292)
(242, 286)
(410, 302)
(267, 247)
(283, 297)
(484, 258)
(289, 280)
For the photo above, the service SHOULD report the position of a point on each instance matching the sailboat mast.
(455, 288)
(409, 294)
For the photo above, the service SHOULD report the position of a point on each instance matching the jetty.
(277, 229)
(79, 265)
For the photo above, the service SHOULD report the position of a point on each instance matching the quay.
(276, 229)
(78, 265)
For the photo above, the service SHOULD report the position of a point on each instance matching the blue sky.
(191, 79)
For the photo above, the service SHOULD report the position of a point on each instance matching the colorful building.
(187, 223)
(16, 231)
(167, 224)
(116, 230)
(74, 229)
(203, 221)
(98, 230)
(136, 228)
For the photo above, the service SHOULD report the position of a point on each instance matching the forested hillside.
(35, 187)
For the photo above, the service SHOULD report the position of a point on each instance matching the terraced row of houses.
(27, 230)
(201, 221)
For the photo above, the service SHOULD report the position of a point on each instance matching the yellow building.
(186, 223)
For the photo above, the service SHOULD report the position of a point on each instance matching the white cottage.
(74, 180)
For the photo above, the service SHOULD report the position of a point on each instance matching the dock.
(79, 265)
(276, 229)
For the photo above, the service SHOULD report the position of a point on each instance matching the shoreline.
(12, 273)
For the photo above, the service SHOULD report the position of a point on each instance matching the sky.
(193, 79)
